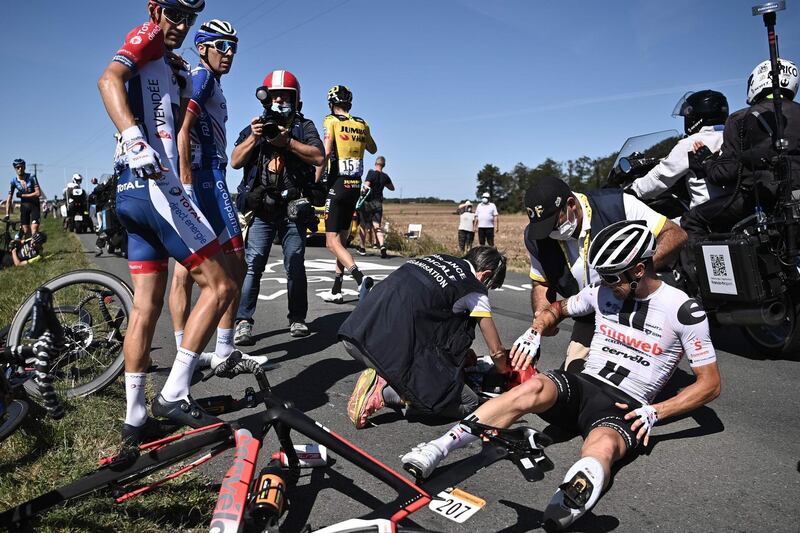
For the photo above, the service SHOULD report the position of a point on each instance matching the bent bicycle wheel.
(93, 308)
(11, 417)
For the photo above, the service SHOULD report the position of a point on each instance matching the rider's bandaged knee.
(458, 437)
(583, 483)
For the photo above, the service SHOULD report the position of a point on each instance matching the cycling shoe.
(184, 412)
(152, 429)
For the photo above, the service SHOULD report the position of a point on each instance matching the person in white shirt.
(704, 114)
(466, 227)
(488, 220)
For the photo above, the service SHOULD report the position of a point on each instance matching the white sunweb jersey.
(208, 134)
(637, 344)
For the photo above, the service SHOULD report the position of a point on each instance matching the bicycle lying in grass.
(93, 309)
(256, 502)
(29, 365)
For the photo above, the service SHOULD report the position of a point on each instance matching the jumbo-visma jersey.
(350, 138)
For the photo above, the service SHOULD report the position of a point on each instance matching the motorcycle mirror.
(624, 165)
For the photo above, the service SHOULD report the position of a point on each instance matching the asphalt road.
(730, 466)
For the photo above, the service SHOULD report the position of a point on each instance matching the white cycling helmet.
(760, 80)
(77, 178)
(621, 246)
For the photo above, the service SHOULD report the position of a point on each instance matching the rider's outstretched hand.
(644, 418)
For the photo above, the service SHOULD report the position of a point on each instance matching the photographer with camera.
(278, 152)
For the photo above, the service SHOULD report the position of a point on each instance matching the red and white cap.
(283, 80)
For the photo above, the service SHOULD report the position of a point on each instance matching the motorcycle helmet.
(701, 108)
(621, 246)
(759, 84)
(283, 80)
(341, 96)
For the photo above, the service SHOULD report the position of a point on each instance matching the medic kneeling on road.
(414, 331)
(610, 401)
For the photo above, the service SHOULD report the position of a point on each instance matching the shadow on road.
(529, 519)
(303, 497)
(324, 334)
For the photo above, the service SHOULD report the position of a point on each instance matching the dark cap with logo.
(543, 201)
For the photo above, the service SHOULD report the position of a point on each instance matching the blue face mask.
(284, 109)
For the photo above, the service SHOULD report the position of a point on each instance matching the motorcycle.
(78, 218)
(747, 278)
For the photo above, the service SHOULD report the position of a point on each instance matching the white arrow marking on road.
(273, 295)
(327, 265)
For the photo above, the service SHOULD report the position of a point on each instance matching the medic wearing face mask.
(562, 225)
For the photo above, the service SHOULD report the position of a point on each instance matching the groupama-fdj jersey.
(350, 136)
(208, 134)
(160, 218)
(209, 159)
(638, 344)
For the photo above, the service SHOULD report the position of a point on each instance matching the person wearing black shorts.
(346, 138)
(643, 328)
(28, 193)
(371, 213)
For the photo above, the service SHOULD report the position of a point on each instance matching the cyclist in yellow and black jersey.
(346, 138)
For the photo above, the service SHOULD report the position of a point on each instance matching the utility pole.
(36, 169)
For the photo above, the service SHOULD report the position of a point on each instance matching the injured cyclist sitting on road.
(414, 330)
(642, 329)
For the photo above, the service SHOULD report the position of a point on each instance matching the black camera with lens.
(269, 118)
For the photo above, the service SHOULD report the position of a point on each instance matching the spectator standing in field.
(466, 227)
(371, 213)
(488, 220)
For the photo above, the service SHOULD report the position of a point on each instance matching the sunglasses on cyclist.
(177, 17)
(223, 45)
(611, 279)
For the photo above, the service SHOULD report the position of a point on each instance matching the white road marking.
(273, 295)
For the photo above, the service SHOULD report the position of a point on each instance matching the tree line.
(507, 189)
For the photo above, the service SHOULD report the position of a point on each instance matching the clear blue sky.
(447, 86)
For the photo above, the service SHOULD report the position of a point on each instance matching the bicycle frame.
(233, 499)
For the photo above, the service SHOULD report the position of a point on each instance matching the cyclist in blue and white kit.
(145, 89)
(203, 161)
(643, 327)
(28, 192)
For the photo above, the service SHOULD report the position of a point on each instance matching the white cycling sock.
(224, 343)
(180, 377)
(458, 437)
(178, 338)
(136, 409)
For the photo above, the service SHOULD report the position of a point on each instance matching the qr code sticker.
(718, 265)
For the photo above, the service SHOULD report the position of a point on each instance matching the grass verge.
(45, 454)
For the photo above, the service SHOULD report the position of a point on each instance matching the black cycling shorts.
(371, 213)
(585, 403)
(29, 213)
(341, 204)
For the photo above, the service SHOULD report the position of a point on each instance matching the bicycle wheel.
(11, 417)
(93, 308)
